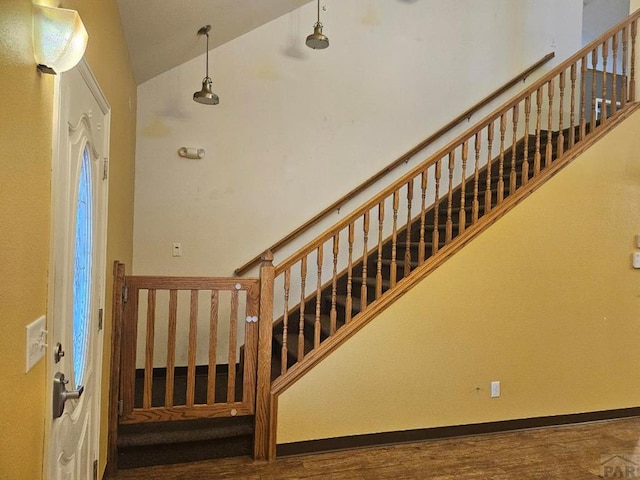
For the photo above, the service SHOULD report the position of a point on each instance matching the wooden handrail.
(396, 163)
(492, 117)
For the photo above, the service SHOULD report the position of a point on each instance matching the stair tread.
(292, 342)
(325, 323)
(371, 281)
(165, 433)
(400, 263)
(356, 304)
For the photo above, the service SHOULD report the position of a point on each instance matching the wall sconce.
(59, 38)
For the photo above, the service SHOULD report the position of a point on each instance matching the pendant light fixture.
(206, 95)
(317, 40)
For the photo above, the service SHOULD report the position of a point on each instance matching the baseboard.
(407, 436)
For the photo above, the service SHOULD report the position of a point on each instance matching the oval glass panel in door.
(82, 269)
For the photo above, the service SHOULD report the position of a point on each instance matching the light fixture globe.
(317, 40)
(59, 38)
(206, 95)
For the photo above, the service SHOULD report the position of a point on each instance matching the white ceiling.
(162, 34)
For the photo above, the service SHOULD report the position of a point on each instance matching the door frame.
(97, 93)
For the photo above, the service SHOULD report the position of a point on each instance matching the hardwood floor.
(573, 452)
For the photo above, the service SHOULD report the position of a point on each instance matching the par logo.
(620, 466)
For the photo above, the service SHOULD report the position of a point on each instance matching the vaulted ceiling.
(162, 34)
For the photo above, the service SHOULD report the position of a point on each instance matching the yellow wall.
(25, 167)
(25, 163)
(545, 301)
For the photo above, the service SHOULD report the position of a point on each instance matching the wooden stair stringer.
(314, 357)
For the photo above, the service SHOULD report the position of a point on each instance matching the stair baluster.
(407, 249)
(334, 285)
(347, 317)
(476, 180)
(380, 246)
(560, 144)
(487, 192)
(285, 322)
(594, 66)
(436, 208)
(503, 129)
(603, 107)
(394, 239)
(316, 328)
(515, 117)
(365, 253)
(449, 224)
(549, 148)
(303, 281)
(537, 155)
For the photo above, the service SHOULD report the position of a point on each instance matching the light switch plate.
(495, 389)
(36, 342)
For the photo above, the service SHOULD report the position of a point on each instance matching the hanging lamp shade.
(317, 40)
(206, 95)
(59, 38)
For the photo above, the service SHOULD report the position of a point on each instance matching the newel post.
(263, 421)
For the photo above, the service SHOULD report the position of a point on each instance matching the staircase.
(407, 251)
(331, 287)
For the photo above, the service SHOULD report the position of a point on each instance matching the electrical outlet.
(495, 389)
(176, 249)
(36, 342)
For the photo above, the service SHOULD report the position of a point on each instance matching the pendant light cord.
(318, 23)
(207, 72)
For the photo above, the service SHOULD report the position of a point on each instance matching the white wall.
(297, 128)
(600, 15)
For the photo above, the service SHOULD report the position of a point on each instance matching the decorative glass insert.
(82, 269)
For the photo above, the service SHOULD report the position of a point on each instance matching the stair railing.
(403, 159)
(416, 221)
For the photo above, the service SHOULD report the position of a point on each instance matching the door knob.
(61, 394)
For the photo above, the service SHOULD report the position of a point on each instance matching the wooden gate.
(189, 348)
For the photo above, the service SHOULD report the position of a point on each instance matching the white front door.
(77, 275)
